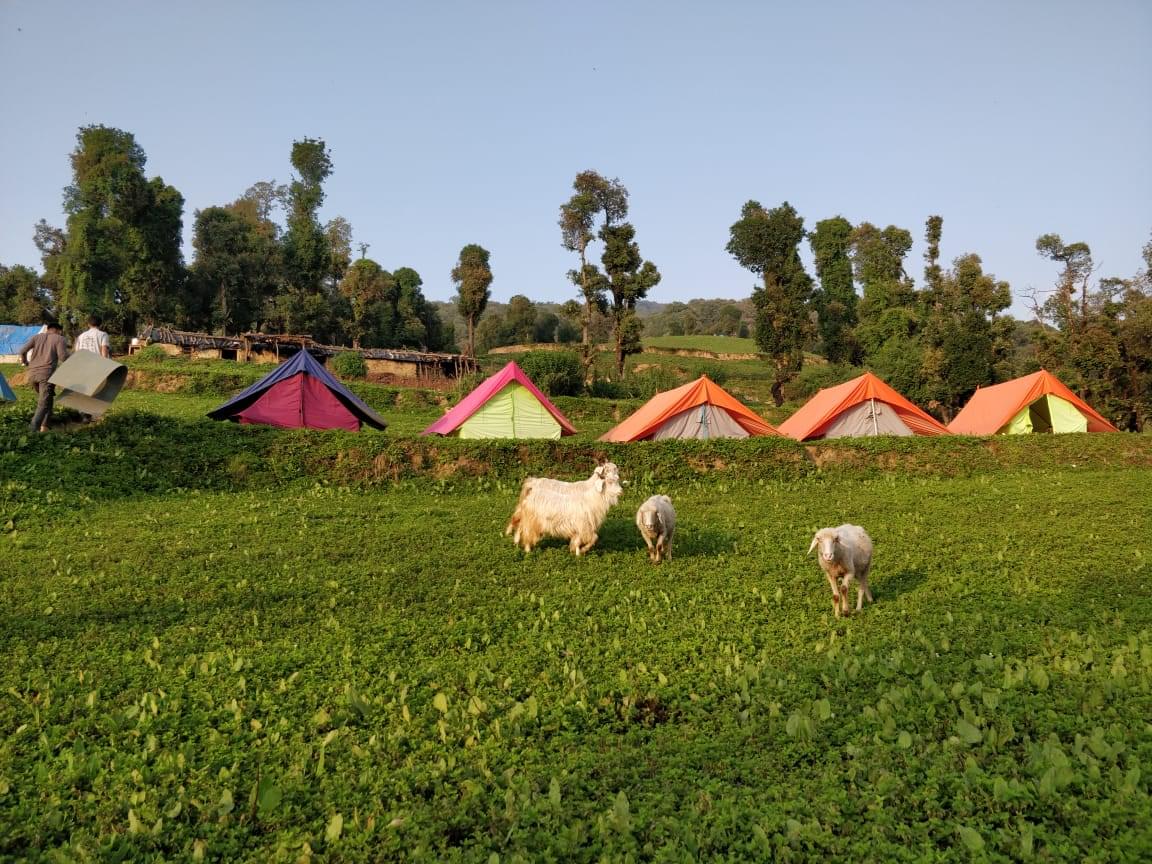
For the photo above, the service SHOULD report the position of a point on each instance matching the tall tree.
(596, 200)
(962, 336)
(473, 277)
(51, 242)
(230, 271)
(835, 300)
(338, 233)
(122, 255)
(889, 313)
(767, 242)
(630, 278)
(307, 255)
(521, 318)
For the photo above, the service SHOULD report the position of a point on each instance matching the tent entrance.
(1046, 415)
(513, 412)
(871, 417)
(700, 421)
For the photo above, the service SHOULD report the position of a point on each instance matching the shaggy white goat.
(656, 520)
(556, 508)
(845, 555)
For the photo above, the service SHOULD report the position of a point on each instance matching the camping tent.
(13, 337)
(1035, 403)
(6, 394)
(699, 409)
(860, 407)
(299, 393)
(506, 405)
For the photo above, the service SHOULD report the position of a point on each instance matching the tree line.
(119, 256)
(939, 341)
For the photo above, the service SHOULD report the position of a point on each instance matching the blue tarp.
(6, 394)
(13, 336)
(306, 363)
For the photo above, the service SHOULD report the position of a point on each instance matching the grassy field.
(715, 344)
(221, 646)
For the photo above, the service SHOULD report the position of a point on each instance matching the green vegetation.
(713, 344)
(350, 364)
(248, 644)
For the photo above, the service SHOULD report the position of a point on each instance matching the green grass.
(715, 344)
(244, 644)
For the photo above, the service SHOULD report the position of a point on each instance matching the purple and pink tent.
(299, 394)
(507, 405)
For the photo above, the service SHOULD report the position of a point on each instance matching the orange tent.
(700, 409)
(862, 406)
(1019, 406)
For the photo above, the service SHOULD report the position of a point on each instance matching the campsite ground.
(228, 643)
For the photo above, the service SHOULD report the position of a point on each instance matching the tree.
(230, 271)
(121, 256)
(22, 297)
(767, 243)
(473, 278)
(51, 242)
(367, 285)
(630, 278)
(306, 252)
(962, 337)
(338, 233)
(1098, 339)
(594, 197)
(835, 301)
(521, 318)
(419, 324)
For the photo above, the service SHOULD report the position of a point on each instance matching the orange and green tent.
(699, 409)
(1039, 402)
(860, 407)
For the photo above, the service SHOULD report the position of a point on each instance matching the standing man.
(48, 351)
(93, 339)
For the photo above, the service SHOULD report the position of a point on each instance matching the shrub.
(151, 353)
(349, 364)
(813, 378)
(557, 373)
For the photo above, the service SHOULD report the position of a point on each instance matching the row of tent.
(302, 393)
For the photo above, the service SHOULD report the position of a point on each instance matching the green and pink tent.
(506, 405)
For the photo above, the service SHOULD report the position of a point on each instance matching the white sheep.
(556, 508)
(656, 520)
(845, 555)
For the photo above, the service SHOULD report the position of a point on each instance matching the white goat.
(556, 508)
(656, 520)
(845, 555)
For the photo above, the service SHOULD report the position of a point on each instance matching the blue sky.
(465, 122)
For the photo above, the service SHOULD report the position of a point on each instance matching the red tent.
(299, 393)
(860, 407)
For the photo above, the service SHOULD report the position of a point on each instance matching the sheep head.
(827, 539)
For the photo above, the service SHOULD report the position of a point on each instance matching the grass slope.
(265, 666)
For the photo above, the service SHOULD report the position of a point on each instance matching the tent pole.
(875, 426)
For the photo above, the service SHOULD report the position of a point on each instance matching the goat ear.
(599, 472)
(600, 484)
(813, 546)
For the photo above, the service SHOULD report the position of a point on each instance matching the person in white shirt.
(93, 339)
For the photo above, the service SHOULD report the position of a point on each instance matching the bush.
(557, 373)
(151, 353)
(349, 364)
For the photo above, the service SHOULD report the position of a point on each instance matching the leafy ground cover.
(229, 644)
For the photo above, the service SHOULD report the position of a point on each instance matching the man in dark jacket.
(48, 351)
